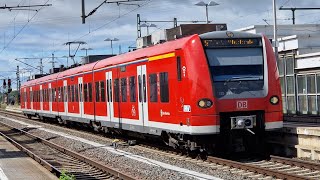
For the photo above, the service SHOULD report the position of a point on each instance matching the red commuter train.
(196, 92)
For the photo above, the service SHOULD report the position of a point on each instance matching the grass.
(66, 176)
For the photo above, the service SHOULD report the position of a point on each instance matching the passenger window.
(116, 90)
(102, 91)
(179, 68)
(144, 89)
(140, 90)
(153, 88)
(49, 93)
(85, 92)
(97, 92)
(69, 94)
(73, 93)
(62, 94)
(124, 89)
(45, 95)
(110, 85)
(132, 83)
(164, 87)
(58, 94)
(80, 92)
(108, 91)
(53, 95)
(65, 94)
(76, 92)
(90, 92)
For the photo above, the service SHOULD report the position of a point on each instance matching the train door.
(110, 107)
(50, 99)
(65, 97)
(41, 99)
(25, 98)
(31, 99)
(81, 105)
(182, 98)
(142, 91)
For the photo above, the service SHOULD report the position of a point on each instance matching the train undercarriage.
(248, 139)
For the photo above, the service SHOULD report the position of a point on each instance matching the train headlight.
(274, 100)
(205, 103)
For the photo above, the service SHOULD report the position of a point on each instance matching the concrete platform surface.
(297, 139)
(15, 109)
(16, 165)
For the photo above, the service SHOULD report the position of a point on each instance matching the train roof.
(228, 34)
(123, 58)
(77, 70)
(166, 47)
(29, 83)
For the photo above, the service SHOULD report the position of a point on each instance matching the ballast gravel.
(122, 163)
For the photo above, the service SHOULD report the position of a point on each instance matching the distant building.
(299, 65)
(183, 30)
(94, 58)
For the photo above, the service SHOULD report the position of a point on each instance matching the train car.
(195, 93)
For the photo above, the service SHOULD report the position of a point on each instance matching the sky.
(42, 31)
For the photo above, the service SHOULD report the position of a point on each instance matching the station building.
(299, 66)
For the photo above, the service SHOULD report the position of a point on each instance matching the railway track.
(58, 159)
(275, 167)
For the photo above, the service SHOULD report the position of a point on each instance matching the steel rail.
(73, 154)
(38, 159)
(295, 162)
(252, 168)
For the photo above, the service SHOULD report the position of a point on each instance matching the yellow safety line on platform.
(164, 56)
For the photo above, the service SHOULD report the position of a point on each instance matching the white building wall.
(304, 39)
(283, 30)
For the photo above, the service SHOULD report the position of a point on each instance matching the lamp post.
(111, 40)
(275, 29)
(86, 49)
(147, 26)
(211, 3)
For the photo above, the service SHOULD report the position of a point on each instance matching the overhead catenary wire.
(8, 44)
(106, 25)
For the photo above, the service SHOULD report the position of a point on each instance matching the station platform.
(16, 165)
(296, 139)
(15, 109)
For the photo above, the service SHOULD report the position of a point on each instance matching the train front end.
(246, 89)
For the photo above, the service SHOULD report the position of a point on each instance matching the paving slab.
(16, 165)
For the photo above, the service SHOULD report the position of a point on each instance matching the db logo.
(242, 104)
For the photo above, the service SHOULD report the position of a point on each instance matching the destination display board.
(243, 42)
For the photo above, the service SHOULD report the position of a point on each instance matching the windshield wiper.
(244, 78)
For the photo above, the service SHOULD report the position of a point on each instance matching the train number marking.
(242, 104)
(163, 113)
(133, 111)
(184, 70)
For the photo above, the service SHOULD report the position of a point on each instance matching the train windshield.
(237, 72)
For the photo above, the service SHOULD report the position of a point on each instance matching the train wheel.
(29, 116)
(203, 155)
(193, 154)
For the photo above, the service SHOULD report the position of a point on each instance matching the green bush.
(65, 176)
